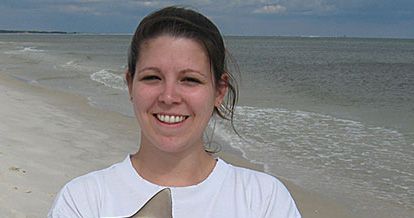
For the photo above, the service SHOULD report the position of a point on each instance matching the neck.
(173, 169)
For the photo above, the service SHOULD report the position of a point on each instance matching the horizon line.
(20, 31)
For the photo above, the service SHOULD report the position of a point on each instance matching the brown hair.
(182, 22)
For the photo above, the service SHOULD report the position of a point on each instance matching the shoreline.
(47, 135)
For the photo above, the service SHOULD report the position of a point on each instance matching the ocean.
(333, 115)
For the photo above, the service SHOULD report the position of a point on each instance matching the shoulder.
(254, 179)
(268, 196)
(82, 196)
(93, 182)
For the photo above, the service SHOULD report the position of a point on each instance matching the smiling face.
(173, 93)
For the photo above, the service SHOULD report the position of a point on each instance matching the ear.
(221, 89)
(130, 81)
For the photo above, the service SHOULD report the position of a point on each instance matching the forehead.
(171, 40)
(173, 51)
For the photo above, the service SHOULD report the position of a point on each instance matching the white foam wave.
(78, 66)
(24, 50)
(109, 79)
(361, 156)
(31, 49)
(70, 63)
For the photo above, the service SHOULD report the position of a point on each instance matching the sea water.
(333, 115)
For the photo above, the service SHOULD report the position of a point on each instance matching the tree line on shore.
(36, 32)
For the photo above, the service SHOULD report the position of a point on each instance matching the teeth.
(170, 119)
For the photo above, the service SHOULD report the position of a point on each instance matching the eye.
(150, 78)
(191, 80)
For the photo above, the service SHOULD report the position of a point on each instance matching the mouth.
(170, 119)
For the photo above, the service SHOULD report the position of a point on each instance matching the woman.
(177, 80)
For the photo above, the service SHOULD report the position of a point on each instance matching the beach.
(48, 137)
(331, 117)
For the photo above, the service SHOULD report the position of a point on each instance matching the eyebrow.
(149, 68)
(187, 70)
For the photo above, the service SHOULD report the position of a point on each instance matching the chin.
(177, 146)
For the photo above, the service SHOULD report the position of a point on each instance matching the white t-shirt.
(228, 192)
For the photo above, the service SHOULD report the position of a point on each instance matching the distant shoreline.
(225, 35)
(36, 32)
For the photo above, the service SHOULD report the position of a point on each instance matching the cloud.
(146, 3)
(310, 7)
(92, 1)
(270, 9)
(233, 16)
(72, 8)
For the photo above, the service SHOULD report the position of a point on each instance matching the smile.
(170, 119)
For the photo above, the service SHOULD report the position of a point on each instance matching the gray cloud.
(270, 9)
(233, 16)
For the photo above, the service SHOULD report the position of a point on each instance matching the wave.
(25, 50)
(72, 64)
(109, 79)
(31, 49)
(299, 144)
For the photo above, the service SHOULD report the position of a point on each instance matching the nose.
(169, 95)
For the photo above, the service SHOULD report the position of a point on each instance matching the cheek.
(202, 100)
(143, 98)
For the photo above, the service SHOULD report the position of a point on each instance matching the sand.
(48, 137)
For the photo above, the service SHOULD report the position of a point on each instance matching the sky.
(331, 18)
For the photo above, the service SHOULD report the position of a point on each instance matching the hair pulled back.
(181, 22)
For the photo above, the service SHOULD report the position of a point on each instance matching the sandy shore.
(48, 138)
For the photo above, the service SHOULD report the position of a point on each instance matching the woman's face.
(173, 93)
